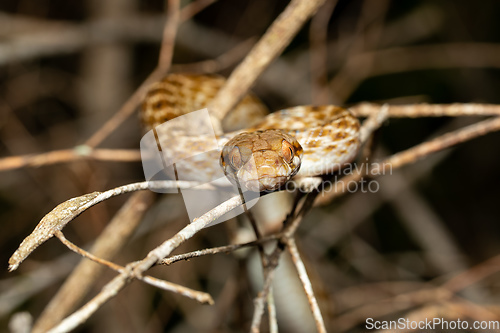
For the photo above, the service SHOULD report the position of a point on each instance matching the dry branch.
(76, 286)
(274, 41)
(65, 212)
(306, 283)
(136, 269)
(413, 154)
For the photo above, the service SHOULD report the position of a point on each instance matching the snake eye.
(287, 150)
(235, 158)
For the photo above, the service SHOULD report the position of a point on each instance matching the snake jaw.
(260, 178)
(261, 160)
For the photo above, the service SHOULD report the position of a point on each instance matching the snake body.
(302, 140)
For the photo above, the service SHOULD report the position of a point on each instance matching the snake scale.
(269, 150)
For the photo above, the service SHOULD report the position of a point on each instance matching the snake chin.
(261, 179)
(265, 184)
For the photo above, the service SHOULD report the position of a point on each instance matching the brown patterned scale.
(302, 140)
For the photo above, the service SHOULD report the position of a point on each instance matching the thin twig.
(165, 61)
(403, 59)
(199, 296)
(368, 33)
(216, 250)
(318, 37)
(428, 110)
(81, 279)
(413, 154)
(306, 283)
(169, 33)
(194, 8)
(274, 41)
(445, 141)
(136, 269)
(69, 155)
(396, 304)
(473, 275)
(223, 61)
(271, 310)
(86, 254)
(374, 121)
(126, 110)
(65, 212)
(69, 37)
(260, 300)
(291, 224)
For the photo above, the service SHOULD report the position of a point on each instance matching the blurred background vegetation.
(67, 66)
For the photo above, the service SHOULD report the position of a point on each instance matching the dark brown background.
(58, 99)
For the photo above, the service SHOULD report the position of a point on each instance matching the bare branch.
(69, 155)
(413, 154)
(306, 283)
(428, 110)
(374, 121)
(277, 37)
(136, 269)
(57, 219)
(169, 32)
(201, 297)
(109, 242)
(318, 38)
(215, 250)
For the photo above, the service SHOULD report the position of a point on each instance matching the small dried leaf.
(50, 223)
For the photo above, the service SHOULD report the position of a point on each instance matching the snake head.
(262, 160)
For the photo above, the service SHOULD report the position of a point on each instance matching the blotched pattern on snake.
(298, 141)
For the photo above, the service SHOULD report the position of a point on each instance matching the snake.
(258, 150)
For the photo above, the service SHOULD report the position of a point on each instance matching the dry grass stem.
(306, 283)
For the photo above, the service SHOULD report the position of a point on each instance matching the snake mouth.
(262, 178)
(263, 184)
